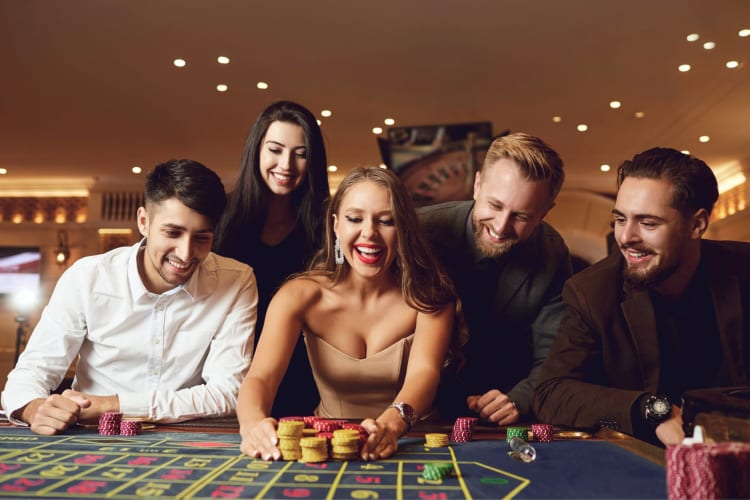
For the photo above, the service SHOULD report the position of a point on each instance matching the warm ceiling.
(88, 88)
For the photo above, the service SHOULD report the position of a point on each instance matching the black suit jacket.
(607, 352)
(513, 311)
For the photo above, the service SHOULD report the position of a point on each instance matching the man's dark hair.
(195, 185)
(693, 182)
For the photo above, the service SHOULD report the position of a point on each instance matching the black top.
(297, 394)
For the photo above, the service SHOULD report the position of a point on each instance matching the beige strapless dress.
(356, 388)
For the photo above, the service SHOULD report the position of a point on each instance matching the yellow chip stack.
(314, 449)
(345, 444)
(436, 440)
(289, 433)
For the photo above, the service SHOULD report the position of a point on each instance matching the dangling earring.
(338, 255)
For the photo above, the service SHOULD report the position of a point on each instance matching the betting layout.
(182, 465)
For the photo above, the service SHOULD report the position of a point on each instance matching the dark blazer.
(606, 354)
(521, 306)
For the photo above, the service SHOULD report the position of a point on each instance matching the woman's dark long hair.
(247, 206)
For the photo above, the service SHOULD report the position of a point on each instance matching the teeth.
(284, 177)
(369, 251)
(178, 265)
(493, 234)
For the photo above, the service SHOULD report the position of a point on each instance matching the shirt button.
(157, 340)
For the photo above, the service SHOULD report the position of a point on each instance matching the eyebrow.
(301, 146)
(183, 228)
(617, 213)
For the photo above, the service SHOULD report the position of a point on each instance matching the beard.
(646, 279)
(490, 250)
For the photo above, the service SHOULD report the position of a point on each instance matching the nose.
(368, 229)
(627, 233)
(502, 222)
(184, 249)
(285, 160)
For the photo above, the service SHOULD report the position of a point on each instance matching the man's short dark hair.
(694, 184)
(195, 185)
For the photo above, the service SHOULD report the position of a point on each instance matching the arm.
(426, 358)
(573, 384)
(53, 345)
(544, 330)
(282, 327)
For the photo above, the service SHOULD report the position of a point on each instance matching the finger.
(506, 415)
(471, 402)
(491, 396)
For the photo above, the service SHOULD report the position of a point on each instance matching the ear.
(477, 182)
(142, 219)
(335, 225)
(699, 223)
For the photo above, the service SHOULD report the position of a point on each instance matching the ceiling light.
(685, 151)
(557, 119)
(704, 138)
(262, 85)
(615, 104)
(389, 121)
(136, 169)
(383, 165)
(332, 168)
(692, 37)
(582, 127)
(744, 33)
(180, 63)
(221, 87)
(684, 68)
(604, 167)
(709, 45)
(377, 130)
(326, 113)
(733, 64)
(222, 60)
(3, 171)
(639, 114)
(319, 123)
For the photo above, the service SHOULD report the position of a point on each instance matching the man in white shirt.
(163, 329)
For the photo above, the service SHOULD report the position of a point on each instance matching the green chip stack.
(521, 432)
(435, 471)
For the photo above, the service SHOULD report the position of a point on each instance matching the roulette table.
(190, 462)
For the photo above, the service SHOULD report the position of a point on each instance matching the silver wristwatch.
(407, 413)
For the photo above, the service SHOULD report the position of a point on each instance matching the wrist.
(406, 412)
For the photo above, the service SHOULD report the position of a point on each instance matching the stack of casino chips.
(109, 423)
(542, 432)
(436, 440)
(289, 433)
(434, 471)
(521, 432)
(131, 427)
(314, 449)
(345, 444)
(463, 428)
(702, 470)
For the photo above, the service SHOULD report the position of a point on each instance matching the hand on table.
(96, 407)
(382, 441)
(670, 431)
(259, 440)
(55, 413)
(494, 406)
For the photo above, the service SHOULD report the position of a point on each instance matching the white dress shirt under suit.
(169, 357)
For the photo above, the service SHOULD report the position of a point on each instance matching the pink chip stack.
(708, 470)
(542, 432)
(109, 423)
(130, 427)
(463, 428)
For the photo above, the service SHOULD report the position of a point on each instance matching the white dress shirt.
(169, 357)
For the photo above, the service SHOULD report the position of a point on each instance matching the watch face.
(660, 407)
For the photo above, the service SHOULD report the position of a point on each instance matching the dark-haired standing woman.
(274, 222)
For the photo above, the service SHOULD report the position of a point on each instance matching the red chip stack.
(463, 428)
(130, 427)
(324, 425)
(109, 423)
(708, 470)
(542, 432)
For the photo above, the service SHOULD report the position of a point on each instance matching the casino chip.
(542, 432)
(131, 427)
(434, 471)
(436, 440)
(314, 449)
(521, 432)
(463, 428)
(109, 423)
